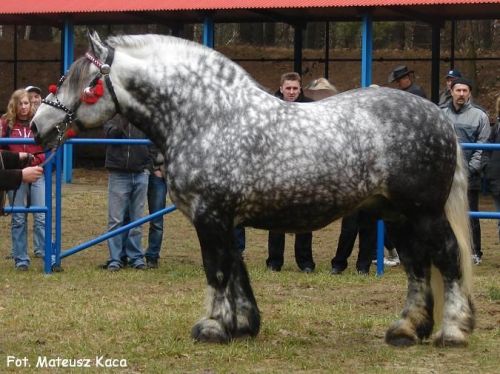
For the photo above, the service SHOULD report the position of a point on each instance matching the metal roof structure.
(55, 12)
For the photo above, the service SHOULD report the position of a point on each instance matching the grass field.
(314, 323)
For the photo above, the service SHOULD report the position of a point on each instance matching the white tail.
(456, 210)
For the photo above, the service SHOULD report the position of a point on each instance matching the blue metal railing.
(53, 254)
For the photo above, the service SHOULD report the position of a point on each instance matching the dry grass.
(311, 323)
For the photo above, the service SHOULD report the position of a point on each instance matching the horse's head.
(84, 98)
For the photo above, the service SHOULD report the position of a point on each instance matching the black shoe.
(336, 271)
(152, 263)
(273, 268)
(307, 270)
(22, 268)
(140, 267)
(114, 268)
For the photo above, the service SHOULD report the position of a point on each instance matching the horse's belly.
(295, 218)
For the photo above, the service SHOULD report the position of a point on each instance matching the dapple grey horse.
(236, 155)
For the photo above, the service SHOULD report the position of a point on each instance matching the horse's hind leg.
(456, 304)
(425, 241)
(416, 320)
(232, 309)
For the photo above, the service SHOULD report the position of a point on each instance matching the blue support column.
(366, 50)
(208, 32)
(68, 37)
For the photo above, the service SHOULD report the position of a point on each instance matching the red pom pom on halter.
(53, 89)
(70, 133)
(91, 94)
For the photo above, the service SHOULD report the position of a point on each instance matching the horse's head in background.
(84, 98)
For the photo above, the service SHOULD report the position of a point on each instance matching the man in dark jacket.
(13, 172)
(404, 80)
(290, 90)
(128, 167)
(472, 126)
(157, 195)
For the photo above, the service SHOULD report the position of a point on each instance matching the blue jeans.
(19, 227)
(157, 196)
(126, 195)
(239, 238)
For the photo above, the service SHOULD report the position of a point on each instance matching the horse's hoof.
(401, 335)
(209, 331)
(456, 339)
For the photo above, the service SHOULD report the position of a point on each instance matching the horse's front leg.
(231, 307)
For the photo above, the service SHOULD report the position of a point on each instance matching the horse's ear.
(98, 48)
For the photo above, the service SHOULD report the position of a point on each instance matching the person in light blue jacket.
(472, 126)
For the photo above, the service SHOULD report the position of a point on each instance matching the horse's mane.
(137, 42)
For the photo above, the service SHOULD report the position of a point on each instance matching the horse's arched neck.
(179, 88)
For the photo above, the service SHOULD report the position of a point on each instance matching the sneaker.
(390, 262)
(476, 259)
(39, 255)
(22, 268)
(140, 267)
(114, 268)
(152, 263)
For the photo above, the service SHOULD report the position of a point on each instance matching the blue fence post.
(47, 268)
(58, 222)
(366, 50)
(68, 36)
(380, 247)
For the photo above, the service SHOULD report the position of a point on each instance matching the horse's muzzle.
(34, 131)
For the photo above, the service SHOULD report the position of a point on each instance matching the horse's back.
(335, 154)
(419, 145)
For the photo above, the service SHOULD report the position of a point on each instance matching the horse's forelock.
(78, 74)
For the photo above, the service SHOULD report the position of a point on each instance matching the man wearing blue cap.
(445, 95)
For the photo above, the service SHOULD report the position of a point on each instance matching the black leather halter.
(104, 70)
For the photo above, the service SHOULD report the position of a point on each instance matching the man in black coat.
(290, 90)
(404, 80)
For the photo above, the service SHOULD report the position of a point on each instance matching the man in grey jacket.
(472, 126)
